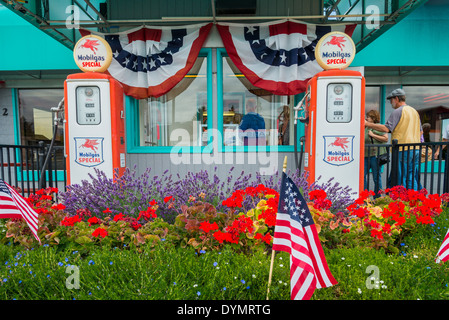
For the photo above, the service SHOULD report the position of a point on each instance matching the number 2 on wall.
(5, 111)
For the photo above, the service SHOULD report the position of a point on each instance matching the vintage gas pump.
(335, 115)
(94, 115)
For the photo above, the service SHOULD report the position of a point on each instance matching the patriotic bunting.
(276, 56)
(150, 61)
(295, 233)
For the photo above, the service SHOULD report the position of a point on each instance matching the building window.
(180, 117)
(372, 98)
(432, 104)
(235, 102)
(36, 119)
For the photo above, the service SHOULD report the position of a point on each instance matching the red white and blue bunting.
(277, 56)
(150, 61)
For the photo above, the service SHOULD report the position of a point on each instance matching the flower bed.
(214, 233)
(243, 220)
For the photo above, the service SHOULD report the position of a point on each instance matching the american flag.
(443, 252)
(295, 233)
(13, 205)
(278, 56)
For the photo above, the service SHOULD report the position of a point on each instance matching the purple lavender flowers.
(130, 193)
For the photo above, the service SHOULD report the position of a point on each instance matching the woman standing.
(374, 137)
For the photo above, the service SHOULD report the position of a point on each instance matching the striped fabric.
(278, 56)
(13, 205)
(443, 252)
(295, 233)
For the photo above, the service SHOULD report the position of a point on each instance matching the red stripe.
(349, 29)
(8, 206)
(84, 32)
(145, 34)
(10, 216)
(287, 27)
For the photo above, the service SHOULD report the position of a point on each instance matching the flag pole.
(284, 168)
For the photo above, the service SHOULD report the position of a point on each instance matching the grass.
(168, 273)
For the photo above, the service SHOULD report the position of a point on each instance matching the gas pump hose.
(47, 158)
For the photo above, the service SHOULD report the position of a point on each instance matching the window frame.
(31, 175)
(132, 119)
(221, 53)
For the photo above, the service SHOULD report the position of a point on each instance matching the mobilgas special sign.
(92, 54)
(335, 50)
(338, 150)
(89, 151)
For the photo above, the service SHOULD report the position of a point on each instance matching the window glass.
(432, 104)
(250, 109)
(372, 98)
(178, 118)
(36, 119)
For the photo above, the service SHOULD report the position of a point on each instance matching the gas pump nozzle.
(300, 107)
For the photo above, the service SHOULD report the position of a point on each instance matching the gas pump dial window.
(339, 102)
(88, 105)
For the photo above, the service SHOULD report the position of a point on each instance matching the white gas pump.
(334, 117)
(94, 118)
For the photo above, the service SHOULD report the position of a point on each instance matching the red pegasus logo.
(90, 144)
(337, 41)
(90, 44)
(340, 142)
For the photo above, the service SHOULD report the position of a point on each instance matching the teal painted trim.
(257, 148)
(221, 52)
(16, 117)
(167, 150)
(28, 176)
(300, 127)
(427, 167)
(210, 109)
(132, 120)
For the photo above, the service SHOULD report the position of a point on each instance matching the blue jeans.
(371, 163)
(408, 169)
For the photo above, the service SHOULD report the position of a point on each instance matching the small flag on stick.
(443, 252)
(295, 233)
(13, 205)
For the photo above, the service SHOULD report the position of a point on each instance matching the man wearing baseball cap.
(404, 125)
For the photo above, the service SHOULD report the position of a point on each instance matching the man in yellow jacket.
(404, 125)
